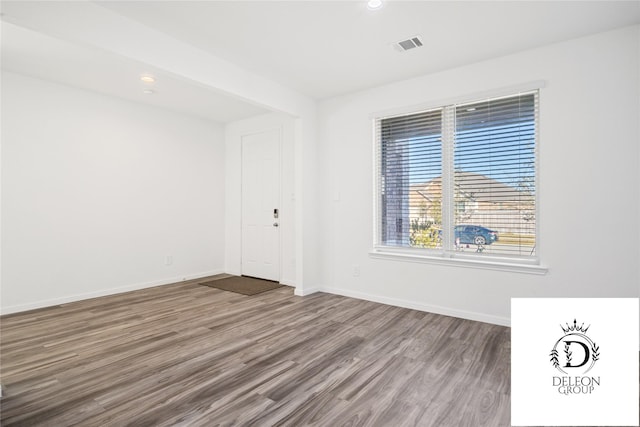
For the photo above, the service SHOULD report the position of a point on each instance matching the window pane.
(411, 190)
(494, 178)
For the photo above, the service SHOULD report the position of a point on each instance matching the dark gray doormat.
(243, 285)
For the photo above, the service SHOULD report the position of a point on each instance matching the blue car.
(474, 234)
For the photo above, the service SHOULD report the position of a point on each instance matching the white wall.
(588, 188)
(96, 191)
(233, 207)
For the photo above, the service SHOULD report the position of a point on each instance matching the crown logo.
(575, 327)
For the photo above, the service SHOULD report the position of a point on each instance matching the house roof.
(472, 186)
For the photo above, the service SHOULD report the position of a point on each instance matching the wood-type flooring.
(191, 355)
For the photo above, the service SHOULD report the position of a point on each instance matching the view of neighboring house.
(479, 200)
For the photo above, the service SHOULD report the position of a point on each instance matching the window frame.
(446, 255)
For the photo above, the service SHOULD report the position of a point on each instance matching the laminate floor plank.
(191, 355)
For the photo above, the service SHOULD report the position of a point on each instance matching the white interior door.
(260, 205)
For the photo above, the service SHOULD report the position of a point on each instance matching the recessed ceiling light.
(147, 78)
(374, 4)
(148, 91)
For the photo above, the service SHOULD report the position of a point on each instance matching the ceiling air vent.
(404, 45)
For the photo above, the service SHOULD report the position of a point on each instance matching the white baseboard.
(306, 291)
(447, 311)
(104, 292)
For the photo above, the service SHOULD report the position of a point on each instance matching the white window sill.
(458, 261)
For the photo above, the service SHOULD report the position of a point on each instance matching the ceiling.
(37, 55)
(328, 48)
(318, 48)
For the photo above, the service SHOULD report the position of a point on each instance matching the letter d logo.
(586, 354)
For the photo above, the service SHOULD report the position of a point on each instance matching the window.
(460, 180)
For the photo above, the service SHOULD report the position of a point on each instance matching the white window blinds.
(410, 152)
(468, 168)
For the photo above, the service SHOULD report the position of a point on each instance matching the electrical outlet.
(168, 260)
(356, 271)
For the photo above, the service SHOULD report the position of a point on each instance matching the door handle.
(275, 224)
